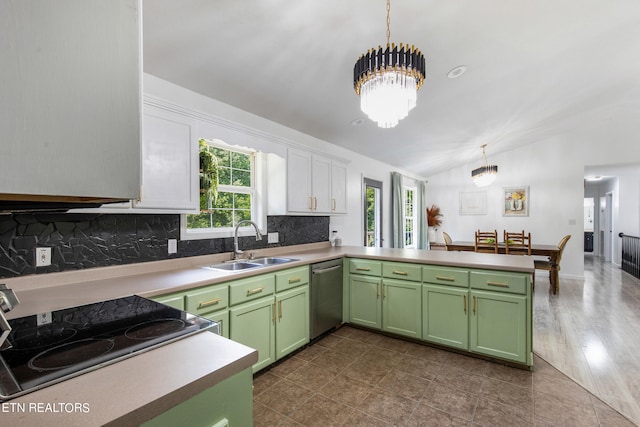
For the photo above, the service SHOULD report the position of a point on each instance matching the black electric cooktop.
(51, 347)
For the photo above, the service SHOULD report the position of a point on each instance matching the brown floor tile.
(287, 366)
(330, 341)
(389, 357)
(564, 413)
(460, 379)
(509, 394)
(264, 381)
(360, 419)
(321, 411)
(310, 376)
(492, 413)
(351, 347)
(311, 352)
(333, 361)
(418, 366)
(564, 389)
(426, 352)
(468, 363)
(508, 374)
(404, 384)
(387, 406)
(367, 371)
(346, 390)
(284, 397)
(427, 416)
(264, 416)
(608, 416)
(456, 402)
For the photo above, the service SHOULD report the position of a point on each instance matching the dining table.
(537, 249)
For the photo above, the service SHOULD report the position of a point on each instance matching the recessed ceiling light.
(357, 122)
(456, 72)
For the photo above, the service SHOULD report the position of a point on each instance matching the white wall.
(554, 171)
(350, 226)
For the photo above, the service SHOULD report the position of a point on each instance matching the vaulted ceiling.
(533, 67)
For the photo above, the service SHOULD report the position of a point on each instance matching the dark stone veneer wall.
(81, 241)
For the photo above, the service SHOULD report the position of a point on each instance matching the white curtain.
(397, 211)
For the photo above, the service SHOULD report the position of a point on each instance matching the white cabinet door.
(338, 187)
(299, 197)
(169, 161)
(315, 184)
(321, 184)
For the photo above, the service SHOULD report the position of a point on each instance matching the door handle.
(280, 309)
(464, 303)
(474, 305)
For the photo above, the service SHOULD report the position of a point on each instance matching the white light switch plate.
(172, 246)
(272, 237)
(43, 257)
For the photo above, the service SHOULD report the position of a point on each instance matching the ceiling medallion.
(484, 175)
(388, 80)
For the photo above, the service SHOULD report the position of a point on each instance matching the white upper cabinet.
(169, 161)
(71, 95)
(315, 184)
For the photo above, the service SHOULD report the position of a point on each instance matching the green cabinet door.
(402, 308)
(499, 325)
(175, 300)
(222, 317)
(253, 324)
(445, 315)
(364, 301)
(292, 324)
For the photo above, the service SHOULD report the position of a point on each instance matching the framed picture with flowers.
(516, 201)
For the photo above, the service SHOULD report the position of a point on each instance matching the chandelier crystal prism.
(484, 175)
(387, 80)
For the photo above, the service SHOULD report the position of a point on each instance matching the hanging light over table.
(484, 175)
(387, 80)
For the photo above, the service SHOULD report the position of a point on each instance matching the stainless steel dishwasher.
(326, 296)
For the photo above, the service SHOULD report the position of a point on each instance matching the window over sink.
(236, 197)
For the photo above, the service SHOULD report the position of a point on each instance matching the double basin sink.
(249, 263)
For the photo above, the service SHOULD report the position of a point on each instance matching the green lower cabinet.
(445, 315)
(228, 403)
(402, 308)
(364, 301)
(498, 325)
(222, 317)
(175, 301)
(253, 324)
(292, 324)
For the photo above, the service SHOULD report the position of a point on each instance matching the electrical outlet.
(272, 237)
(172, 246)
(43, 257)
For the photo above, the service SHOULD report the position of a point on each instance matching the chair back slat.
(517, 243)
(486, 241)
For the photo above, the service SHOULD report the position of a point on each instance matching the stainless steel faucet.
(8, 300)
(236, 249)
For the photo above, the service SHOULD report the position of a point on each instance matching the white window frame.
(258, 199)
(413, 218)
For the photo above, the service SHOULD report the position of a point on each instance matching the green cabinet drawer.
(445, 276)
(251, 288)
(207, 300)
(365, 266)
(403, 271)
(513, 283)
(174, 300)
(292, 278)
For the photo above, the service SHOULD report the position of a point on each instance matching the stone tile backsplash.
(81, 241)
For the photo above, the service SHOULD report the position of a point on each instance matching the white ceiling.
(534, 67)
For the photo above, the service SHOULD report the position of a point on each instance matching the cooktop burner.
(84, 338)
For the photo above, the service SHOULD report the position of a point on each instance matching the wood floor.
(590, 331)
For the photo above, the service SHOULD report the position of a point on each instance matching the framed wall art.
(516, 201)
(473, 203)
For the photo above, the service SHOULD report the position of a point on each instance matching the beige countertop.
(143, 386)
(133, 390)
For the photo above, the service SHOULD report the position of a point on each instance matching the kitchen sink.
(234, 266)
(271, 260)
(252, 263)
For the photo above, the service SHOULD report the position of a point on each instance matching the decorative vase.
(431, 234)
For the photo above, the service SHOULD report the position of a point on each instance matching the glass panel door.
(372, 212)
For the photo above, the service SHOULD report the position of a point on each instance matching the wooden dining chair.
(447, 240)
(487, 241)
(517, 243)
(546, 264)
